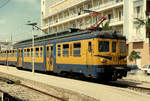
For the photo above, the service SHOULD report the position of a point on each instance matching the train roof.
(71, 33)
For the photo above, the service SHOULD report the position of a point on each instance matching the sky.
(14, 17)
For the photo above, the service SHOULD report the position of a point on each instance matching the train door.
(114, 52)
(20, 58)
(89, 54)
(49, 58)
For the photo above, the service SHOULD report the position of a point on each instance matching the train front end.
(111, 56)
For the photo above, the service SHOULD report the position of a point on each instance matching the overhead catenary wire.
(4, 3)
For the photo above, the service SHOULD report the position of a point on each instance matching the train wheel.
(114, 76)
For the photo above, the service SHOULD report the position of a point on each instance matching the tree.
(106, 26)
(134, 56)
(146, 23)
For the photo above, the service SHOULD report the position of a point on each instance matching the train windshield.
(122, 47)
(103, 46)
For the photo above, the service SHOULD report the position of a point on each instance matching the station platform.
(95, 90)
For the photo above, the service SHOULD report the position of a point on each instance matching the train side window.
(37, 52)
(41, 51)
(113, 46)
(77, 49)
(52, 51)
(7, 53)
(90, 46)
(47, 51)
(66, 50)
(59, 50)
(31, 52)
(25, 51)
(28, 52)
(12, 53)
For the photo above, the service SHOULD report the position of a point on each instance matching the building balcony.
(113, 22)
(116, 21)
(99, 8)
(138, 37)
(140, 16)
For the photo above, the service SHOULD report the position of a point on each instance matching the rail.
(5, 95)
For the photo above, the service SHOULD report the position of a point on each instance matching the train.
(93, 54)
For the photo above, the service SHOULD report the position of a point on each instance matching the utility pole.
(33, 25)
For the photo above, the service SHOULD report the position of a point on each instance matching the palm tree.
(106, 26)
(146, 23)
(134, 56)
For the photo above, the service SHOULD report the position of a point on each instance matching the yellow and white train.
(95, 54)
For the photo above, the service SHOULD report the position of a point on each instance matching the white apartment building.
(58, 15)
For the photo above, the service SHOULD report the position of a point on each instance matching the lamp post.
(33, 25)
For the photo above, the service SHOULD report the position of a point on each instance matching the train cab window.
(59, 50)
(66, 50)
(122, 47)
(90, 46)
(28, 52)
(41, 51)
(103, 46)
(113, 46)
(36, 52)
(77, 49)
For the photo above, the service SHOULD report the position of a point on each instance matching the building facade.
(58, 15)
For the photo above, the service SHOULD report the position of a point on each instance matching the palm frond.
(133, 56)
(106, 26)
(141, 22)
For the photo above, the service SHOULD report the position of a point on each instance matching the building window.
(66, 50)
(138, 9)
(120, 14)
(59, 50)
(110, 16)
(77, 49)
(98, 3)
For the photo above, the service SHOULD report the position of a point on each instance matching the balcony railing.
(76, 2)
(75, 15)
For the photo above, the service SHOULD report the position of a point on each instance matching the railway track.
(31, 88)
(131, 87)
(58, 98)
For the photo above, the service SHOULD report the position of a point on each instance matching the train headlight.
(125, 59)
(103, 60)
